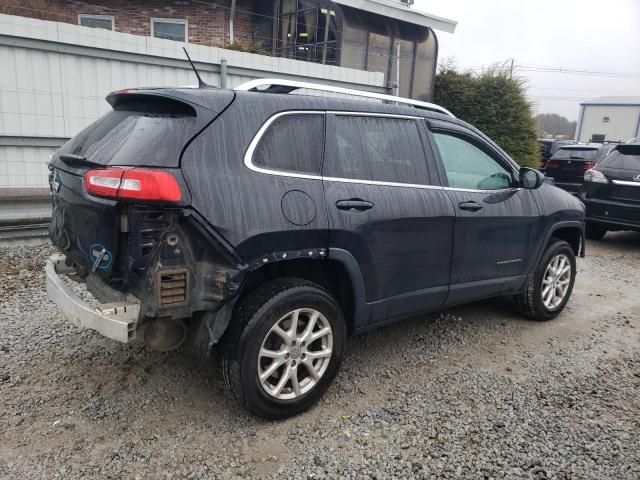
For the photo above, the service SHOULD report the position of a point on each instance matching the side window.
(375, 148)
(469, 167)
(292, 143)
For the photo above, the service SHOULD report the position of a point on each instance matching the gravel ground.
(475, 392)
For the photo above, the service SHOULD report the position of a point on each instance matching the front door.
(385, 208)
(496, 220)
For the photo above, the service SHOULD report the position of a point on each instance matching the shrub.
(494, 102)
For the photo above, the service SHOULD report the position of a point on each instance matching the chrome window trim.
(382, 184)
(248, 156)
(471, 190)
(626, 183)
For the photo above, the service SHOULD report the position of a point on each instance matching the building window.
(170, 29)
(106, 22)
(307, 32)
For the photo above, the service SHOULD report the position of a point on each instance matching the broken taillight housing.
(133, 184)
(595, 176)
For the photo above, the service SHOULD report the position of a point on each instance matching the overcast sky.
(586, 35)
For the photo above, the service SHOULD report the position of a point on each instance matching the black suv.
(275, 224)
(568, 165)
(612, 192)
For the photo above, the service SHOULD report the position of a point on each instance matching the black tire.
(530, 302)
(252, 321)
(595, 232)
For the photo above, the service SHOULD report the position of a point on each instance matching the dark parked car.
(549, 146)
(568, 164)
(612, 192)
(277, 224)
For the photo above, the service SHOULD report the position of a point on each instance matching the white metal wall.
(24, 166)
(623, 122)
(54, 77)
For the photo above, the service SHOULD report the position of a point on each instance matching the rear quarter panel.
(244, 206)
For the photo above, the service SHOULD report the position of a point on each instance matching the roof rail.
(286, 86)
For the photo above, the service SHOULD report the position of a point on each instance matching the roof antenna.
(201, 83)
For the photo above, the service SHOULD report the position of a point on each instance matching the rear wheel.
(548, 292)
(595, 232)
(284, 348)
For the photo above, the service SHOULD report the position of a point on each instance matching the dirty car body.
(179, 203)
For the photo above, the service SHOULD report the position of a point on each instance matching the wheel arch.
(339, 274)
(570, 231)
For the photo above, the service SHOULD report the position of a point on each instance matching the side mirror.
(530, 178)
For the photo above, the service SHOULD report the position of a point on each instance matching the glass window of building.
(169, 29)
(105, 22)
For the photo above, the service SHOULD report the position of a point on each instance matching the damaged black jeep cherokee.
(273, 225)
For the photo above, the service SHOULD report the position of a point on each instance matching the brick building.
(375, 35)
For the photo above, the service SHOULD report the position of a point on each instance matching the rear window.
(376, 148)
(576, 154)
(293, 143)
(630, 160)
(136, 135)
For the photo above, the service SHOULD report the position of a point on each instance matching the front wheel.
(548, 292)
(284, 348)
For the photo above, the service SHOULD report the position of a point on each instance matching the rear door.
(386, 208)
(496, 222)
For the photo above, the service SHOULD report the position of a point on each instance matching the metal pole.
(232, 14)
(326, 37)
(223, 73)
(397, 86)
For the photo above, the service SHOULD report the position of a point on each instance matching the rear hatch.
(567, 166)
(145, 134)
(622, 170)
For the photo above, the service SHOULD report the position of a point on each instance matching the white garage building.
(612, 119)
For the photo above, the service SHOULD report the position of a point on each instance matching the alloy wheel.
(555, 282)
(295, 354)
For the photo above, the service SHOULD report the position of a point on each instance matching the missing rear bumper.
(117, 321)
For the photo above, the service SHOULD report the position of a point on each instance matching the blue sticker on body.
(100, 256)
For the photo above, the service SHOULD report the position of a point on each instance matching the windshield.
(137, 136)
(576, 154)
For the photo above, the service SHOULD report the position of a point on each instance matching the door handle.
(470, 206)
(354, 205)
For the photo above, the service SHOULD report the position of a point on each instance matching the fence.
(54, 78)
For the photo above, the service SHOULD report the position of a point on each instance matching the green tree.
(493, 101)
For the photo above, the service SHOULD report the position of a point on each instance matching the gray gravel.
(477, 392)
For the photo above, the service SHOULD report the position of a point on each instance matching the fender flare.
(361, 310)
(556, 226)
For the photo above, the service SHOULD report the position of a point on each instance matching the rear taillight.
(588, 165)
(595, 176)
(552, 164)
(133, 184)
